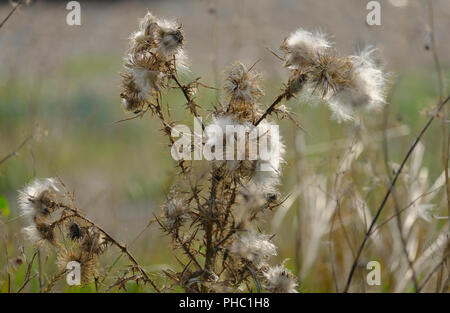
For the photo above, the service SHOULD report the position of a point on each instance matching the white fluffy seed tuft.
(255, 248)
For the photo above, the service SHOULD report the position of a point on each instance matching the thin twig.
(191, 104)
(15, 151)
(255, 279)
(271, 108)
(7, 265)
(15, 7)
(387, 220)
(41, 285)
(28, 276)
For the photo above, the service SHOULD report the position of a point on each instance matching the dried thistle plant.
(214, 219)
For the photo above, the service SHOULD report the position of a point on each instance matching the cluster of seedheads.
(54, 222)
(213, 218)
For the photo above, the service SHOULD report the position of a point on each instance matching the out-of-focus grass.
(79, 106)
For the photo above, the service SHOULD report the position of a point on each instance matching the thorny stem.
(389, 191)
(255, 279)
(271, 108)
(188, 252)
(184, 170)
(227, 236)
(16, 6)
(216, 178)
(191, 104)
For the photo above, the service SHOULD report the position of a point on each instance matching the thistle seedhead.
(303, 47)
(36, 203)
(155, 53)
(254, 248)
(244, 89)
(170, 37)
(330, 74)
(35, 198)
(94, 241)
(278, 279)
(88, 262)
(366, 88)
(39, 233)
(346, 83)
(176, 211)
(243, 84)
(144, 38)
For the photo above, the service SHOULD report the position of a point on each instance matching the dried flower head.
(40, 232)
(176, 210)
(346, 83)
(88, 262)
(303, 47)
(94, 241)
(144, 37)
(366, 87)
(278, 279)
(330, 74)
(255, 248)
(155, 52)
(169, 36)
(36, 204)
(34, 199)
(243, 84)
